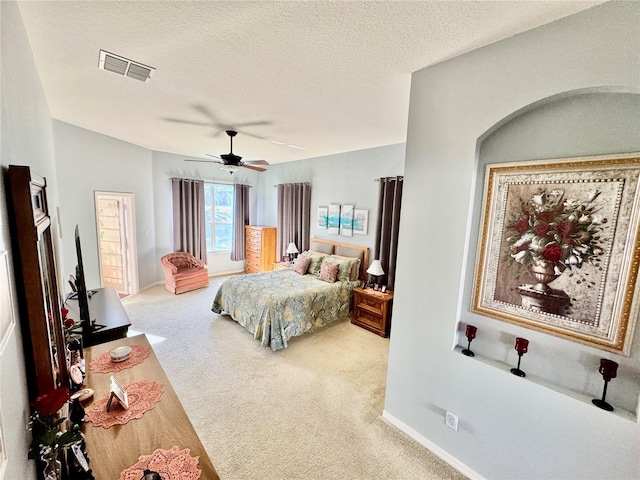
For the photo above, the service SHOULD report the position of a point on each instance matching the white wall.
(88, 161)
(27, 139)
(345, 178)
(509, 427)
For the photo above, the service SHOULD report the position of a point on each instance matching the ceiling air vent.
(123, 66)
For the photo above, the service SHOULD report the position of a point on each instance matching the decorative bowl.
(120, 354)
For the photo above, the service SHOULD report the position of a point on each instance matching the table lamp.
(292, 251)
(376, 271)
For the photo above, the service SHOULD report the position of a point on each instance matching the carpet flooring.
(311, 411)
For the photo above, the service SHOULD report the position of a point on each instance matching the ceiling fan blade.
(207, 113)
(214, 156)
(257, 162)
(252, 135)
(257, 169)
(253, 124)
(201, 161)
(188, 122)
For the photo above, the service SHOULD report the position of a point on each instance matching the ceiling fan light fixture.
(231, 168)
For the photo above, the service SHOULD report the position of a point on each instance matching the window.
(218, 213)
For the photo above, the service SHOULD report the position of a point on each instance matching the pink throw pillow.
(328, 272)
(302, 265)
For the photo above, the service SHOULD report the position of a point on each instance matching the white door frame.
(127, 239)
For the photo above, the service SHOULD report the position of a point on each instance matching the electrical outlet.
(451, 421)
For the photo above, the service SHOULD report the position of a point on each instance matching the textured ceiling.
(327, 76)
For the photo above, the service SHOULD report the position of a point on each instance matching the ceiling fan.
(214, 123)
(232, 162)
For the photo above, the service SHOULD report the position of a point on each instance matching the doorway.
(115, 223)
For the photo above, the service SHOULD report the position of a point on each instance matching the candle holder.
(608, 369)
(522, 345)
(471, 334)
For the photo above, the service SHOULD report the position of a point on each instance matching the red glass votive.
(521, 345)
(471, 332)
(608, 369)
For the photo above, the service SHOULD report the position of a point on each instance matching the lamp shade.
(291, 248)
(375, 268)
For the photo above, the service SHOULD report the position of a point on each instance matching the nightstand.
(372, 310)
(282, 265)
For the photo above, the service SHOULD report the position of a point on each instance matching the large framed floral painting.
(558, 249)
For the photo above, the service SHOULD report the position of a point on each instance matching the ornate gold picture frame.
(559, 250)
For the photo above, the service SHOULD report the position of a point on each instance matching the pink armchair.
(183, 272)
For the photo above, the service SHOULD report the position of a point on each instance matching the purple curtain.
(188, 217)
(240, 219)
(294, 214)
(388, 225)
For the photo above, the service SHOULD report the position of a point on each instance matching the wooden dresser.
(260, 244)
(112, 450)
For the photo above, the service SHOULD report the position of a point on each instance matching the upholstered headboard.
(345, 250)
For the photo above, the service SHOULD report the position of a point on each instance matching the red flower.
(64, 312)
(546, 216)
(521, 248)
(542, 229)
(51, 402)
(68, 322)
(520, 226)
(553, 253)
(565, 228)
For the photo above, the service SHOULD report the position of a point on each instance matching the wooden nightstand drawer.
(372, 302)
(373, 320)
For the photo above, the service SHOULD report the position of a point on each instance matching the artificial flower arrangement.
(48, 439)
(564, 232)
(69, 325)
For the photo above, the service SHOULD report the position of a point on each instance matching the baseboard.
(432, 447)
(221, 274)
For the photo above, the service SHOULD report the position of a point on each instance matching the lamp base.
(518, 372)
(602, 404)
(468, 353)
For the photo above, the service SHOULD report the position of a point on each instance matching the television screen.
(81, 287)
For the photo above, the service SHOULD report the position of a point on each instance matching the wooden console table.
(105, 308)
(112, 450)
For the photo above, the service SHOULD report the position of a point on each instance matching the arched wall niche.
(578, 123)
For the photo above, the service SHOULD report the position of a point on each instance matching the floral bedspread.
(281, 304)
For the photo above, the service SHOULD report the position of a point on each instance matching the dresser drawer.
(255, 234)
(368, 318)
(250, 247)
(371, 302)
(253, 244)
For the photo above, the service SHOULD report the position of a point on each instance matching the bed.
(278, 305)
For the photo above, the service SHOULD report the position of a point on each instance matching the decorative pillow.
(348, 267)
(316, 260)
(328, 271)
(302, 265)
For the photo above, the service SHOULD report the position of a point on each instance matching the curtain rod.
(298, 183)
(210, 181)
(399, 178)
